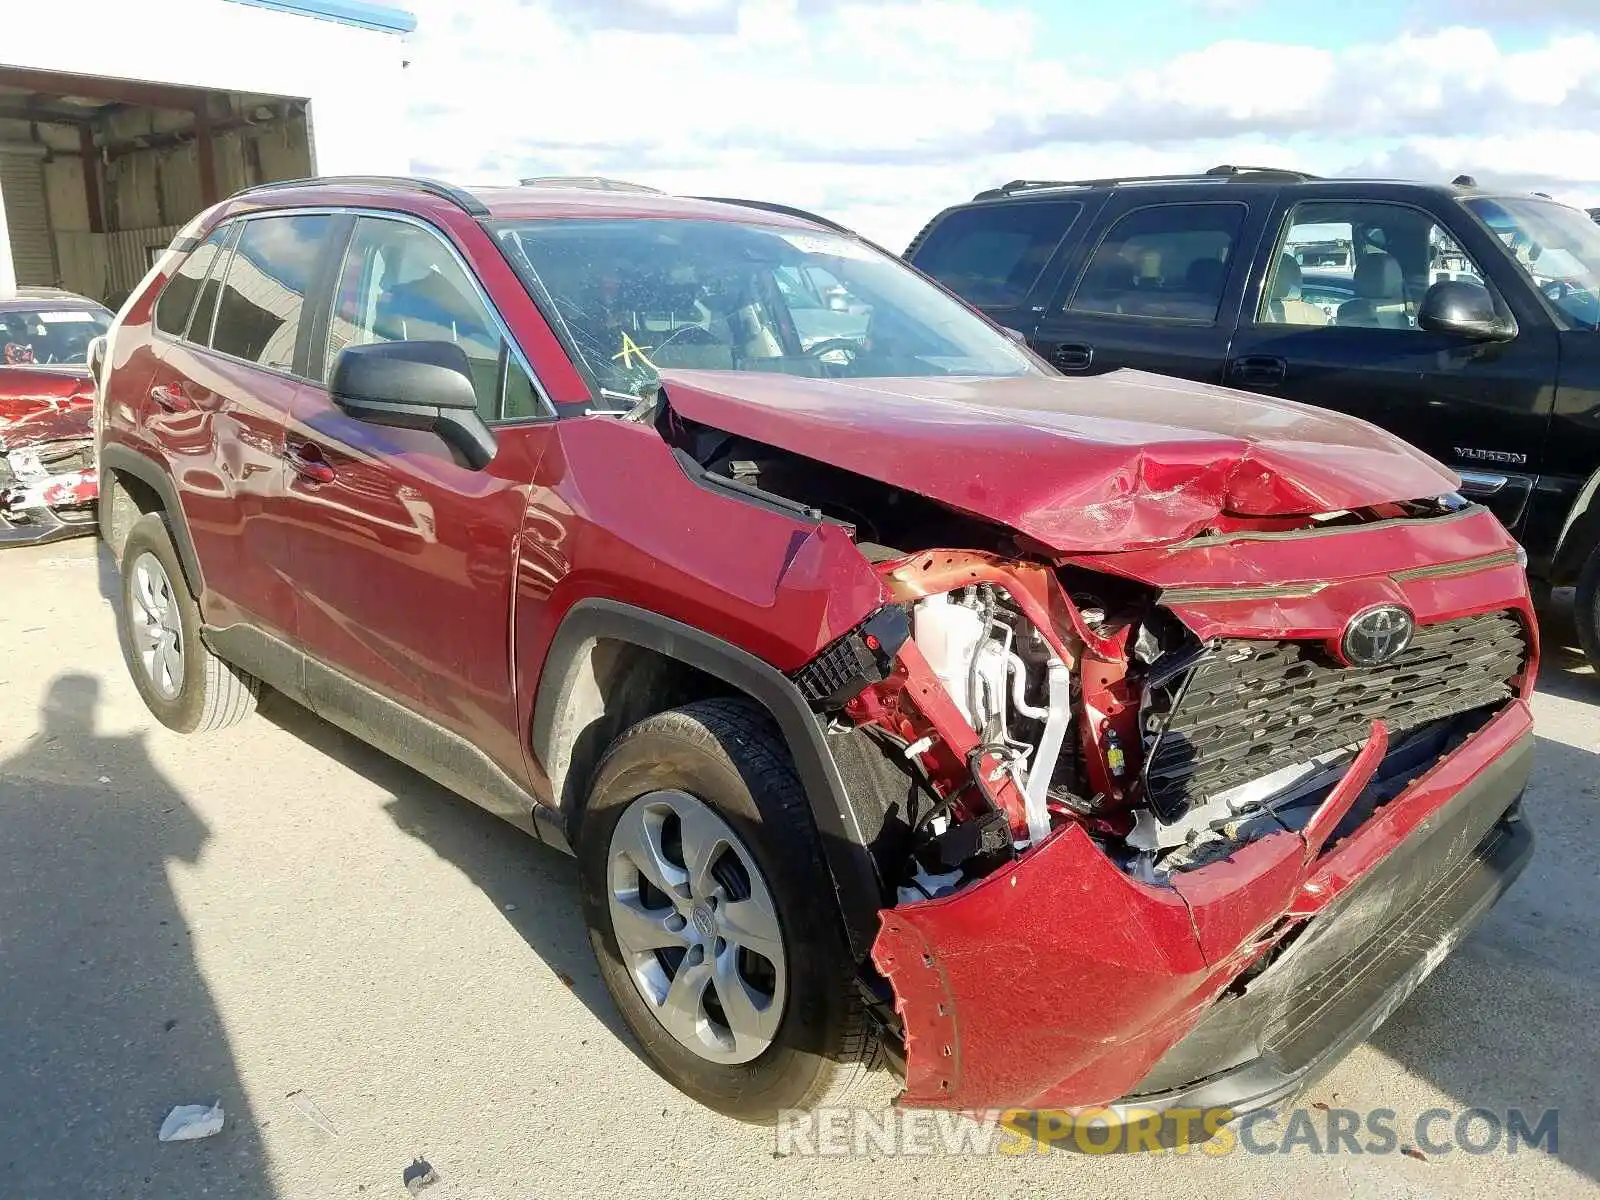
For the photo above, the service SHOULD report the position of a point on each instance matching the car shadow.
(1512, 1017)
(1563, 669)
(106, 1021)
(534, 887)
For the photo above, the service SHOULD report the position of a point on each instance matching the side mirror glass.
(1465, 309)
(414, 385)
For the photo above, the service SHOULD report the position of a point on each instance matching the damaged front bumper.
(37, 507)
(1060, 982)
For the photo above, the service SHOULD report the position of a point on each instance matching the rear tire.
(1586, 609)
(188, 688)
(711, 785)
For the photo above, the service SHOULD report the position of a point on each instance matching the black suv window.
(1167, 261)
(994, 254)
(258, 313)
(177, 298)
(1363, 263)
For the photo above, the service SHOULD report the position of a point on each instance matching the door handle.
(306, 461)
(1072, 356)
(1481, 483)
(1260, 370)
(167, 399)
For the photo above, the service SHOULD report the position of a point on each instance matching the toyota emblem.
(1377, 635)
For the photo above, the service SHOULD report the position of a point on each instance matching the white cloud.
(879, 112)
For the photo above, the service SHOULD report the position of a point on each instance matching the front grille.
(1255, 707)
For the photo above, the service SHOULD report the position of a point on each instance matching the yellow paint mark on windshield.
(631, 350)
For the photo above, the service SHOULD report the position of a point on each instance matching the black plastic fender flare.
(855, 875)
(1580, 535)
(124, 460)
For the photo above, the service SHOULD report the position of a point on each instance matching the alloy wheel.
(697, 927)
(156, 626)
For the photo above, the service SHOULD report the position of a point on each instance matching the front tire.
(188, 688)
(712, 916)
(1586, 609)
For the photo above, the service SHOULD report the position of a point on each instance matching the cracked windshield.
(635, 297)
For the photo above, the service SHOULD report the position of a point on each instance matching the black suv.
(1466, 321)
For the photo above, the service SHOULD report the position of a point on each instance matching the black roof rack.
(786, 210)
(594, 183)
(464, 200)
(1226, 171)
(790, 211)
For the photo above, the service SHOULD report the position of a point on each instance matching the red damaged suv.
(1112, 742)
(47, 475)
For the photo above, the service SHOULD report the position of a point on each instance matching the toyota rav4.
(1118, 742)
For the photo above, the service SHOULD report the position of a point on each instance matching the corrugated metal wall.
(28, 218)
(148, 195)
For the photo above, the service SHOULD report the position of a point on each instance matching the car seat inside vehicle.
(1380, 301)
(1285, 305)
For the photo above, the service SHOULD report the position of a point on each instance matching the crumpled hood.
(43, 404)
(1112, 462)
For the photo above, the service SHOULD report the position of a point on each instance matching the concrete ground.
(365, 969)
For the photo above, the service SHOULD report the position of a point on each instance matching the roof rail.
(790, 211)
(1230, 171)
(1224, 172)
(465, 201)
(596, 183)
(786, 210)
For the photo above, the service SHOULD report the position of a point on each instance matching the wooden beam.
(91, 179)
(206, 155)
(99, 87)
(43, 116)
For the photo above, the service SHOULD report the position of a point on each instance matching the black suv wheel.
(711, 914)
(1586, 609)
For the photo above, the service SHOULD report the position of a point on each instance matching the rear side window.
(269, 274)
(177, 298)
(1166, 262)
(994, 254)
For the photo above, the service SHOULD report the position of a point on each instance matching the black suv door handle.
(1260, 370)
(1072, 357)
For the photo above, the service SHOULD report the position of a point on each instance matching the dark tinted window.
(177, 298)
(994, 255)
(258, 314)
(1167, 261)
(205, 309)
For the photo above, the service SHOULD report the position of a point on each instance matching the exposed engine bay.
(1017, 690)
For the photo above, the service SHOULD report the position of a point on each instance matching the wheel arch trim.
(850, 863)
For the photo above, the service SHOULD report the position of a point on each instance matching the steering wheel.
(847, 346)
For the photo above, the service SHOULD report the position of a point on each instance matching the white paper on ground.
(187, 1122)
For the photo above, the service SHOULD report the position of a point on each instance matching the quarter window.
(400, 283)
(178, 297)
(269, 274)
(1167, 262)
(1361, 264)
(205, 309)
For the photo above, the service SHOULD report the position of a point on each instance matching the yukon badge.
(1376, 635)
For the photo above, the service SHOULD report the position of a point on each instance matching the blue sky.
(879, 112)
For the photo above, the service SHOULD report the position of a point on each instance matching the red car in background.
(48, 483)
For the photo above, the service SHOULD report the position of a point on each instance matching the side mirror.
(95, 357)
(1467, 309)
(1016, 335)
(414, 385)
